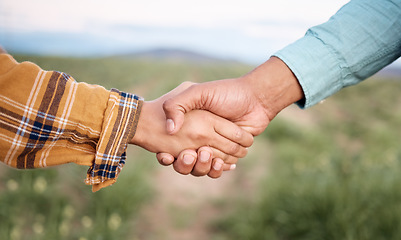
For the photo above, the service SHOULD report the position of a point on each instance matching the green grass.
(54, 203)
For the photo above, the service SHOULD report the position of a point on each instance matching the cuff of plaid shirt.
(119, 126)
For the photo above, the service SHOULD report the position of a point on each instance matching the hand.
(232, 99)
(201, 129)
(251, 101)
(198, 163)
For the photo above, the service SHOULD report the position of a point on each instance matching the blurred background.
(328, 172)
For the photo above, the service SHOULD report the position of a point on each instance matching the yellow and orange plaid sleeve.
(47, 119)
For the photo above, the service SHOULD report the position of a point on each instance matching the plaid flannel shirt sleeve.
(47, 119)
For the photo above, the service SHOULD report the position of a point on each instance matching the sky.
(248, 31)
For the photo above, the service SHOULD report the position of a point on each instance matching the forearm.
(46, 119)
(363, 37)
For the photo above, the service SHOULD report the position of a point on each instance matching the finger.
(217, 168)
(204, 162)
(177, 112)
(165, 159)
(177, 106)
(224, 132)
(228, 147)
(233, 132)
(185, 162)
(228, 159)
(229, 167)
(174, 116)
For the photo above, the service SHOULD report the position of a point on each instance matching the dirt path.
(184, 207)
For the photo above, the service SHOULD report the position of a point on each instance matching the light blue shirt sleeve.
(360, 39)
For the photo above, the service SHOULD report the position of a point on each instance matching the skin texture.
(250, 101)
(225, 140)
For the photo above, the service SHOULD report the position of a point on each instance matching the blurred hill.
(176, 55)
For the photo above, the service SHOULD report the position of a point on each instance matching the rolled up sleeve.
(47, 119)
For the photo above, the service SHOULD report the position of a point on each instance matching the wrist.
(151, 134)
(275, 86)
(143, 132)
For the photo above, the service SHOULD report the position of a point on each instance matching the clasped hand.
(237, 110)
(205, 144)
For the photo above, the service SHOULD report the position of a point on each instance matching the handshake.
(202, 129)
(47, 119)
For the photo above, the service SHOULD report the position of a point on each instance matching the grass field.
(329, 172)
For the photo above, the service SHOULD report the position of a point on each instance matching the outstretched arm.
(359, 40)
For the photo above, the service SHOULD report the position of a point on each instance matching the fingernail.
(217, 166)
(170, 125)
(166, 161)
(188, 159)
(233, 166)
(204, 156)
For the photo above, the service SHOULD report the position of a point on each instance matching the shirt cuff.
(316, 67)
(119, 126)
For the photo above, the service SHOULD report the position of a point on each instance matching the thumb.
(176, 107)
(174, 115)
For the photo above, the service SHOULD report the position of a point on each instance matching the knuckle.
(234, 149)
(238, 135)
(167, 105)
(242, 137)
